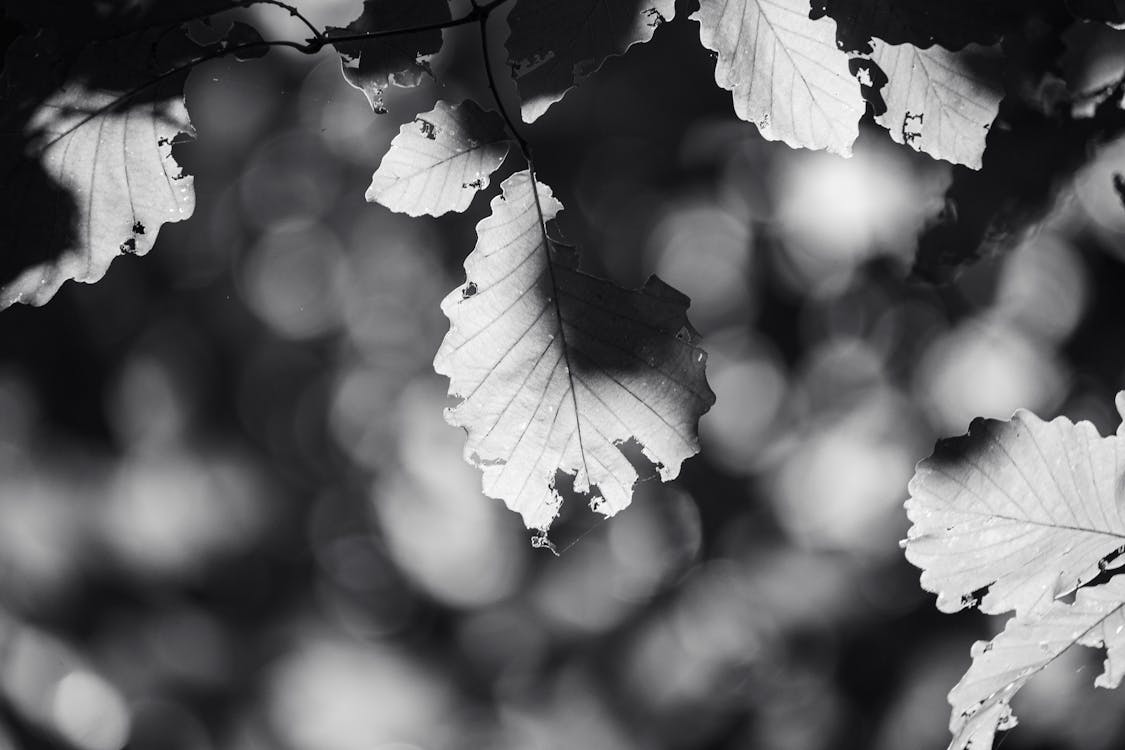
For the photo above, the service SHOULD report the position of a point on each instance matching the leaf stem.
(482, 22)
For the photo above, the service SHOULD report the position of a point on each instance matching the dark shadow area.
(988, 211)
(1106, 11)
(37, 215)
(952, 24)
(1036, 144)
(372, 64)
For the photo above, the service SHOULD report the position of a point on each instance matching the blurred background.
(233, 518)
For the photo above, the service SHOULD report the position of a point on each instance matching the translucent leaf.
(1020, 507)
(438, 162)
(559, 373)
(786, 73)
(371, 65)
(555, 44)
(981, 700)
(940, 102)
(86, 159)
(1028, 509)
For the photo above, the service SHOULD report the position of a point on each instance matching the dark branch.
(317, 33)
(477, 13)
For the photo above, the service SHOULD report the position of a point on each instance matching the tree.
(569, 384)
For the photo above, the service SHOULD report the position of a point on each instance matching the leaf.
(371, 65)
(557, 370)
(86, 166)
(555, 44)
(940, 102)
(1028, 509)
(1011, 502)
(785, 71)
(438, 162)
(981, 700)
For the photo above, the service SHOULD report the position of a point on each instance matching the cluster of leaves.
(564, 378)
(1031, 512)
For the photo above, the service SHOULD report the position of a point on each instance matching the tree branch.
(478, 12)
(317, 33)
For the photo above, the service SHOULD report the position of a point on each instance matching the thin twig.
(482, 22)
(317, 33)
(478, 12)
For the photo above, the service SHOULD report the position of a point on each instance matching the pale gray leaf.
(940, 102)
(557, 370)
(371, 65)
(109, 149)
(785, 71)
(1016, 507)
(438, 162)
(981, 700)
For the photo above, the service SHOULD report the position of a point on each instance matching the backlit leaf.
(438, 162)
(785, 71)
(981, 700)
(556, 370)
(1011, 502)
(940, 102)
(86, 159)
(1030, 511)
(555, 44)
